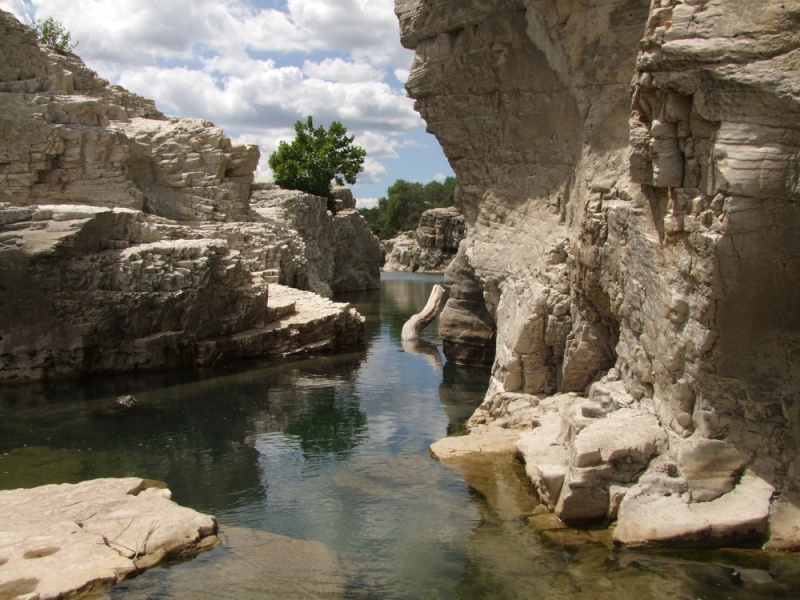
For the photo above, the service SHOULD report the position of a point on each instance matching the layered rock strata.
(430, 248)
(61, 540)
(628, 175)
(130, 240)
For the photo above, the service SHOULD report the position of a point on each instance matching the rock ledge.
(63, 539)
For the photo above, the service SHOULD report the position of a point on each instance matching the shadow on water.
(319, 473)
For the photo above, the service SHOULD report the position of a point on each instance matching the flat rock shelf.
(63, 539)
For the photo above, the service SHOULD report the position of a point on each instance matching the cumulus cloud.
(373, 171)
(366, 202)
(337, 69)
(254, 67)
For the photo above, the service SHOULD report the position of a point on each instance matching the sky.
(255, 67)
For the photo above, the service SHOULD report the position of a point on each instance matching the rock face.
(59, 540)
(628, 176)
(129, 240)
(333, 254)
(431, 247)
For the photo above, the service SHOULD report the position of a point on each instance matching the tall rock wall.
(128, 240)
(628, 172)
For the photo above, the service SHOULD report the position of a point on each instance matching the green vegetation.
(52, 33)
(404, 205)
(315, 158)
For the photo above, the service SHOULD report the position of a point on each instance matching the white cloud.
(366, 202)
(254, 67)
(336, 69)
(402, 75)
(354, 26)
(440, 177)
(18, 8)
(373, 171)
(378, 144)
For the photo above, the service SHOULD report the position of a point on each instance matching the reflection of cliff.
(197, 434)
(460, 392)
(650, 229)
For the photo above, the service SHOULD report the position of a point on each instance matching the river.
(319, 473)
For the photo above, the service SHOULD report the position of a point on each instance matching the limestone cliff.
(431, 247)
(628, 173)
(129, 241)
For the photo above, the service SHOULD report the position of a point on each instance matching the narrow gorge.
(628, 171)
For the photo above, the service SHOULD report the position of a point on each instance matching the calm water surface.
(319, 473)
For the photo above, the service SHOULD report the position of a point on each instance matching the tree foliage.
(52, 33)
(404, 204)
(315, 158)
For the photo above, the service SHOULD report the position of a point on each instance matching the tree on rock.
(52, 33)
(316, 158)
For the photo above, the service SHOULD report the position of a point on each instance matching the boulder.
(738, 516)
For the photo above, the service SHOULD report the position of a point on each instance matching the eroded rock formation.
(432, 247)
(628, 173)
(130, 240)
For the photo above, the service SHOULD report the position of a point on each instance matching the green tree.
(52, 33)
(404, 204)
(316, 158)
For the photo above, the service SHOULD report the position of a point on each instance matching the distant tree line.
(404, 204)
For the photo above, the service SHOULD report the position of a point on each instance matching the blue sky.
(254, 67)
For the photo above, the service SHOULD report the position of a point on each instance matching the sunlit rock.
(431, 247)
(133, 241)
(626, 172)
(63, 539)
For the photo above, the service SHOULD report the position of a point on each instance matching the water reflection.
(333, 426)
(319, 472)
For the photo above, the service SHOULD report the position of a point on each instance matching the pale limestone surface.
(61, 539)
(627, 170)
(431, 247)
(92, 289)
(130, 240)
(482, 440)
(333, 254)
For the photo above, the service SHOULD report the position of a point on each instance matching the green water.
(319, 473)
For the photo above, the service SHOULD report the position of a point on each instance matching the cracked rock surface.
(62, 539)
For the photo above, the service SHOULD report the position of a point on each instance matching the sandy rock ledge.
(62, 539)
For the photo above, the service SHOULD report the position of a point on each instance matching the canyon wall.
(628, 171)
(132, 240)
